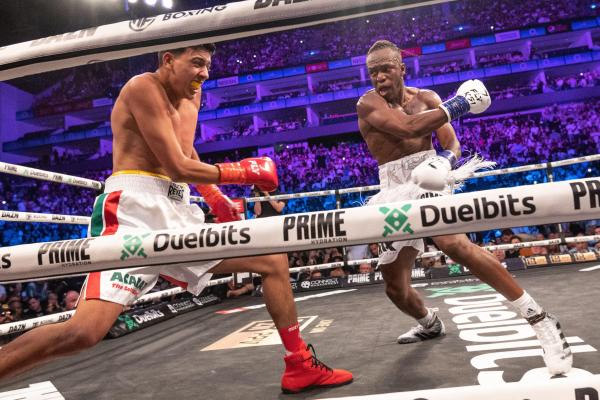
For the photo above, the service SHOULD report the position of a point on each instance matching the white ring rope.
(19, 216)
(25, 325)
(491, 209)
(430, 254)
(20, 170)
(31, 323)
(92, 184)
(180, 29)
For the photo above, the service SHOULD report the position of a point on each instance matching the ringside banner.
(574, 200)
(180, 29)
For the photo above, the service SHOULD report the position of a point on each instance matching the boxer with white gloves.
(397, 123)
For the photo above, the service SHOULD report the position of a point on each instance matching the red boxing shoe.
(303, 371)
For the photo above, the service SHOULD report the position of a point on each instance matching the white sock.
(527, 306)
(427, 320)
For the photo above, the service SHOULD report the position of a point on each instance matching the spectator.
(71, 298)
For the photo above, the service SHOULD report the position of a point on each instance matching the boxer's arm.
(374, 110)
(150, 108)
(446, 134)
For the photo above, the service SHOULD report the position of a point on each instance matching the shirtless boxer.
(154, 124)
(397, 123)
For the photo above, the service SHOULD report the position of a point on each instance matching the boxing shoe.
(420, 333)
(304, 371)
(557, 353)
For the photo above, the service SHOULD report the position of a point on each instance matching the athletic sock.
(527, 306)
(427, 320)
(290, 337)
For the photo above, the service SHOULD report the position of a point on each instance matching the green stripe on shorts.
(97, 223)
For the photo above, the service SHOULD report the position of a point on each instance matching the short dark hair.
(383, 44)
(210, 47)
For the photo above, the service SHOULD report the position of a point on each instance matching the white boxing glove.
(471, 97)
(433, 173)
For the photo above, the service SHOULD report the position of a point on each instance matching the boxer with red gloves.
(154, 123)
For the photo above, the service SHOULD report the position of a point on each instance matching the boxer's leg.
(303, 370)
(86, 328)
(557, 353)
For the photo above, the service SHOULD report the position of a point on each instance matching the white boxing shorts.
(394, 179)
(136, 201)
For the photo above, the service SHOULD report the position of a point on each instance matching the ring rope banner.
(20, 216)
(574, 200)
(183, 28)
(92, 184)
(25, 325)
(40, 174)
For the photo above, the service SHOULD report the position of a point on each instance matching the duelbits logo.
(211, 237)
(478, 209)
(140, 24)
(132, 246)
(396, 220)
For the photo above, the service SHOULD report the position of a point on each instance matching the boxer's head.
(186, 68)
(386, 70)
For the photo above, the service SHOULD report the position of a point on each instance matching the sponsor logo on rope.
(5, 261)
(17, 328)
(132, 247)
(68, 253)
(396, 220)
(10, 168)
(481, 208)
(59, 218)
(590, 190)
(193, 13)
(10, 214)
(451, 291)
(321, 227)
(140, 24)
(80, 34)
(272, 3)
(206, 237)
(38, 174)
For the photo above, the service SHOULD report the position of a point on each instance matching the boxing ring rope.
(40, 174)
(574, 200)
(6, 329)
(25, 325)
(20, 170)
(20, 216)
(180, 29)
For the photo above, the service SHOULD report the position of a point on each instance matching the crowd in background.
(327, 42)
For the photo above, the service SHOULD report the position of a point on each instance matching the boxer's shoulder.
(369, 100)
(429, 97)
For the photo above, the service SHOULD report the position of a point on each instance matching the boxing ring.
(213, 352)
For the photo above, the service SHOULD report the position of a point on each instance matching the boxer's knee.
(275, 265)
(455, 246)
(77, 337)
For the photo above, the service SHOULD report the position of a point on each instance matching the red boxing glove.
(221, 205)
(259, 171)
